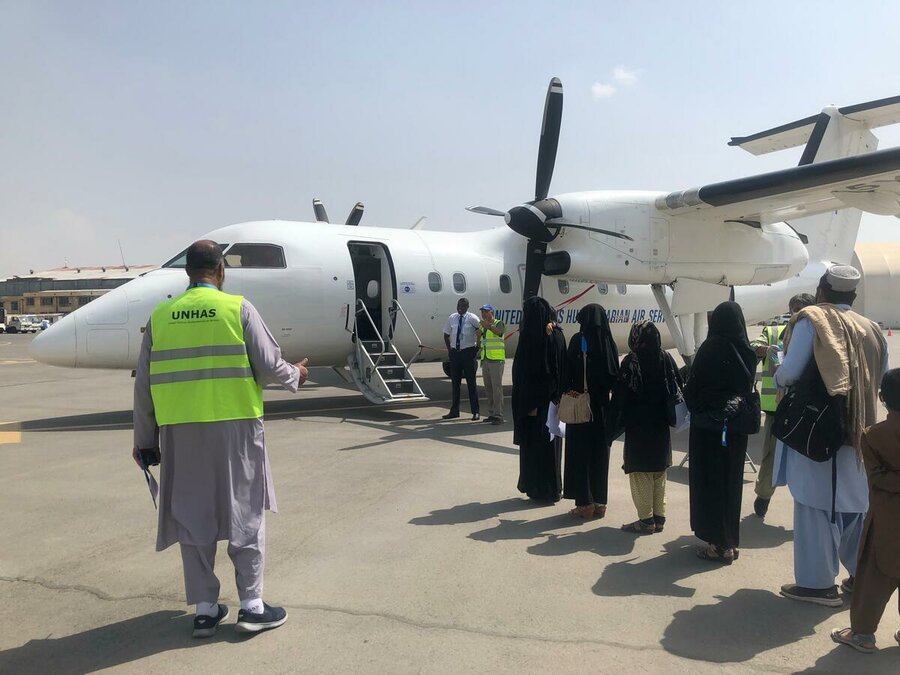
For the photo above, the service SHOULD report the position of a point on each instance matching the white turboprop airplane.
(365, 297)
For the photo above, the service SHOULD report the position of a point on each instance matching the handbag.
(575, 408)
(676, 407)
(741, 413)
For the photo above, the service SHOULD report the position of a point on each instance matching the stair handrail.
(359, 340)
(395, 303)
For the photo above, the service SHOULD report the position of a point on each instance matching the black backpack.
(808, 420)
(811, 422)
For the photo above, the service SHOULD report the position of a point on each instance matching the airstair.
(376, 366)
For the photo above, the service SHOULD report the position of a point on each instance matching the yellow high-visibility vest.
(769, 392)
(199, 368)
(493, 347)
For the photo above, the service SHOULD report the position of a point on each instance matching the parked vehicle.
(22, 324)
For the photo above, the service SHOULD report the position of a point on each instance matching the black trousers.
(462, 364)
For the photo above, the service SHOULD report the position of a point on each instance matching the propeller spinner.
(541, 220)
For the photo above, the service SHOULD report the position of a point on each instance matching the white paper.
(556, 428)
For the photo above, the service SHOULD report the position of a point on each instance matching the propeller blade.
(610, 233)
(549, 139)
(355, 214)
(534, 268)
(485, 211)
(319, 209)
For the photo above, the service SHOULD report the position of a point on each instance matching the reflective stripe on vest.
(493, 347)
(768, 395)
(199, 368)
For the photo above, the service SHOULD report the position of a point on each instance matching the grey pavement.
(401, 546)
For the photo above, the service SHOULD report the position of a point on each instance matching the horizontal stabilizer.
(873, 114)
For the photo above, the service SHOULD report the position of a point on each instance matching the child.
(878, 570)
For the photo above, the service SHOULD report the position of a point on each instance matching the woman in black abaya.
(648, 379)
(719, 373)
(536, 375)
(587, 450)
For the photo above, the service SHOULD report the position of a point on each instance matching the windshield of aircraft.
(242, 255)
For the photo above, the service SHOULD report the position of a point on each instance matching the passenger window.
(603, 289)
(563, 285)
(255, 255)
(505, 284)
(459, 282)
(622, 288)
(434, 282)
(180, 260)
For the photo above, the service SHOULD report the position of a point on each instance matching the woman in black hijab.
(587, 450)
(648, 381)
(719, 373)
(536, 374)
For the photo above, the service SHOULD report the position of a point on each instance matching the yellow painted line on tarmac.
(9, 362)
(10, 437)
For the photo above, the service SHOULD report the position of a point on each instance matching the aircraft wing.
(869, 182)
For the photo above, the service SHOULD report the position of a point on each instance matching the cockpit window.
(180, 260)
(255, 255)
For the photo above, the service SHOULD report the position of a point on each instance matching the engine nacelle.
(663, 248)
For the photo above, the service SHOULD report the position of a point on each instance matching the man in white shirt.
(461, 335)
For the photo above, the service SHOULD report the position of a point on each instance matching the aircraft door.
(374, 283)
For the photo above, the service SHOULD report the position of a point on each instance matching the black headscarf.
(727, 323)
(725, 362)
(603, 355)
(537, 364)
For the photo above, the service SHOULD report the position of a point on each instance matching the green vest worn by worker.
(199, 368)
(493, 348)
(768, 394)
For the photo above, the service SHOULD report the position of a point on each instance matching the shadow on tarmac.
(655, 576)
(108, 646)
(753, 621)
(474, 512)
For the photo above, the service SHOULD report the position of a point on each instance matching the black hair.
(465, 300)
(828, 294)
(203, 255)
(801, 300)
(890, 389)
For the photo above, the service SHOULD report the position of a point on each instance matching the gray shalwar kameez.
(215, 481)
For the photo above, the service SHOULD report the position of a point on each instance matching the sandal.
(713, 553)
(599, 510)
(846, 636)
(587, 512)
(639, 527)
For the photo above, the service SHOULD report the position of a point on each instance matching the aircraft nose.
(58, 345)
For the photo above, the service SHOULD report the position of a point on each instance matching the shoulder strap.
(743, 365)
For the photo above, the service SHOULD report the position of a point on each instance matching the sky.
(151, 123)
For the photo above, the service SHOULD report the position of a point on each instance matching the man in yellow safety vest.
(198, 414)
(769, 346)
(493, 360)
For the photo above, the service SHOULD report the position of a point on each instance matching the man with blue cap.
(493, 360)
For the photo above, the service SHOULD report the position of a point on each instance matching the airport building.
(62, 290)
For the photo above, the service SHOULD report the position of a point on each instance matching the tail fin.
(832, 134)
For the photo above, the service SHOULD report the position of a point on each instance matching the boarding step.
(392, 372)
(374, 346)
(400, 386)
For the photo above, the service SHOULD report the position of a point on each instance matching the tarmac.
(401, 546)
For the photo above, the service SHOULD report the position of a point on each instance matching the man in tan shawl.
(851, 355)
(215, 482)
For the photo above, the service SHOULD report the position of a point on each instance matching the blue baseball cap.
(489, 308)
